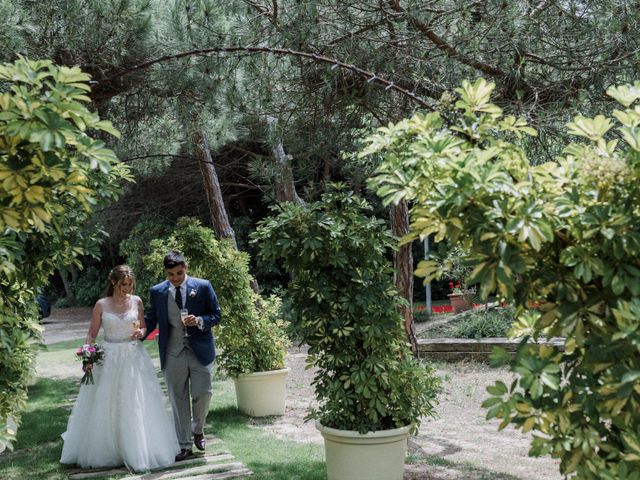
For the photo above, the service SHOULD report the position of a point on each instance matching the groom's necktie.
(179, 297)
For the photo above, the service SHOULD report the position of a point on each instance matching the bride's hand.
(138, 334)
(87, 366)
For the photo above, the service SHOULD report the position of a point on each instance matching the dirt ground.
(459, 444)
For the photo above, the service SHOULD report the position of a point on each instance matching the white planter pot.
(261, 394)
(370, 456)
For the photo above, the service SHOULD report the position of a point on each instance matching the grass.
(469, 470)
(269, 458)
(39, 444)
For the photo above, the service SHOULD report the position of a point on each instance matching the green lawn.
(39, 443)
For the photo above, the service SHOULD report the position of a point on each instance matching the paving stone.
(182, 473)
(239, 473)
(215, 463)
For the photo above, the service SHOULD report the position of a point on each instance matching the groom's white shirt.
(183, 291)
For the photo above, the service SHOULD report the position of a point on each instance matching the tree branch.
(272, 15)
(535, 11)
(370, 76)
(443, 45)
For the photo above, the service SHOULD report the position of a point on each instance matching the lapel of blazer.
(190, 286)
(163, 307)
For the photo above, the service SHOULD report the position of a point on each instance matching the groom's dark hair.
(173, 259)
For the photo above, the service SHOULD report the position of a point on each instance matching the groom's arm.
(150, 318)
(211, 314)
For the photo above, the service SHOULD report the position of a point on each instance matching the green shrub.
(89, 286)
(137, 246)
(421, 315)
(483, 323)
(53, 175)
(251, 334)
(565, 235)
(344, 306)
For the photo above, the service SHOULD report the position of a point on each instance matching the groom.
(187, 351)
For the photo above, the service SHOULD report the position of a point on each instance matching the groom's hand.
(191, 321)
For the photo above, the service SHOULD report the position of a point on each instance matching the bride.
(121, 419)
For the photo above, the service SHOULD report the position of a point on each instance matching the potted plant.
(461, 298)
(454, 268)
(371, 392)
(252, 339)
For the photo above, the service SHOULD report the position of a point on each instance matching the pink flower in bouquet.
(90, 354)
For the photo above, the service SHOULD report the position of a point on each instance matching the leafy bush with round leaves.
(137, 246)
(53, 174)
(344, 306)
(563, 235)
(89, 286)
(251, 335)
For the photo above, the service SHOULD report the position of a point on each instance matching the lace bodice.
(118, 327)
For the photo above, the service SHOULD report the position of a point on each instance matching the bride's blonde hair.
(117, 275)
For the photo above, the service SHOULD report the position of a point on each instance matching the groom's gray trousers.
(188, 382)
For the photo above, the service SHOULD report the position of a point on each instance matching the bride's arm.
(143, 327)
(96, 322)
(94, 328)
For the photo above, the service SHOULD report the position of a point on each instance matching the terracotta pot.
(370, 456)
(262, 394)
(459, 302)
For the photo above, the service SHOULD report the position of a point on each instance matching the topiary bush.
(53, 175)
(563, 235)
(343, 304)
(251, 334)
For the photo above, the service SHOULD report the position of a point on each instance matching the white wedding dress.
(122, 418)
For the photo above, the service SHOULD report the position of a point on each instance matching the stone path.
(215, 463)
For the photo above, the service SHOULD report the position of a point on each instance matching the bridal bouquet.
(89, 353)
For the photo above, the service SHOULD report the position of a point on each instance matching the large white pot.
(370, 456)
(261, 394)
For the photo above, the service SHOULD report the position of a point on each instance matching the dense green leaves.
(562, 236)
(53, 173)
(343, 306)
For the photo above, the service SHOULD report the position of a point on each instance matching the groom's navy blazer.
(202, 302)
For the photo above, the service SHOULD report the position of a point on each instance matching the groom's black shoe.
(199, 441)
(184, 454)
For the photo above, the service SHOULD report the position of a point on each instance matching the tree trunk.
(64, 275)
(284, 184)
(219, 217)
(74, 273)
(403, 265)
(217, 208)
